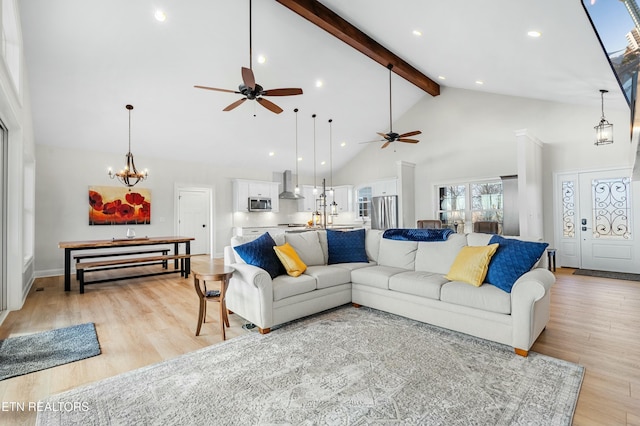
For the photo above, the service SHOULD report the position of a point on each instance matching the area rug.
(607, 274)
(39, 351)
(348, 366)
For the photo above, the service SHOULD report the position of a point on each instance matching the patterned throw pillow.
(471, 264)
(259, 252)
(346, 246)
(513, 258)
(290, 260)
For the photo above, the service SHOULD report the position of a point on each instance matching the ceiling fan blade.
(216, 89)
(384, 145)
(408, 140)
(235, 104)
(269, 105)
(282, 92)
(415, 132)
(377, 140)
(383, 135)
(248, 78)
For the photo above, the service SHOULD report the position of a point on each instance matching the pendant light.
(129, 176)
(315, 216)
(604, 130)
(315, 186)
(297, 188)
(333, 208)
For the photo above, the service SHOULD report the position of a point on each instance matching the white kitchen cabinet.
(308, 204)
(343, 195)
(243, 189)
(261, 189)
(384, 187)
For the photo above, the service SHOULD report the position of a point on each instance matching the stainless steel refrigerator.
(384, 212)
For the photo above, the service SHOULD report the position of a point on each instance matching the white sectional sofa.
(402, 277)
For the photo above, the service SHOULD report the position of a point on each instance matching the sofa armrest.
(250, 294)
(530, 306)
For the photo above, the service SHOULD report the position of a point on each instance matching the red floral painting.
(114, 205)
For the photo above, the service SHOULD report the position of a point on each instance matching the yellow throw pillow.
(471, 264)
(290, 259)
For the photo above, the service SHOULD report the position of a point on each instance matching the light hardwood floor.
(594, 322)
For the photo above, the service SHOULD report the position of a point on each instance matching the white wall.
(470, 134)
(15, 113)
(64, 175)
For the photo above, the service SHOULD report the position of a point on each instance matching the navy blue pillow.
(260, 253)
(346, 246)
(512, 259)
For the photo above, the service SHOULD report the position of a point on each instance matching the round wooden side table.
(201, 277)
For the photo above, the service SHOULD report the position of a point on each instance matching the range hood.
(288, 188)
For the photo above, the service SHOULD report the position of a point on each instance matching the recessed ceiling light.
(319, 83)
(417, 33)
(534, 34)
(442, 77)
(343, 144)
(322, 163)
(262, 59)
(271, 154)
(479, 82)
(160, 15)
(299, 158)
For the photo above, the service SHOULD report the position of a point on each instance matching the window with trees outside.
(462, 204)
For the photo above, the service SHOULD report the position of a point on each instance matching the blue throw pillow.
(512, 259)
(260, 253)
(346, 246)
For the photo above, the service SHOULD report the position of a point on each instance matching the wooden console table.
(70, 246)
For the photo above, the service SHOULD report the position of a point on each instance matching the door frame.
(209, 191)
(573, 244)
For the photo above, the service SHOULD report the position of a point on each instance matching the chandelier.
(604, 130)
(129, 176)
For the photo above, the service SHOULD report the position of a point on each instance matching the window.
(452, 205)
(471, 202)
(486, 202)
(364, 202)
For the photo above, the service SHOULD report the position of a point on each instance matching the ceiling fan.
(250, 89)
(392, 136)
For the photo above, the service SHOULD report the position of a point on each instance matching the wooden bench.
(79, 257)
(83, 267)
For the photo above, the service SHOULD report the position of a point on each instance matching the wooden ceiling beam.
(335, 25)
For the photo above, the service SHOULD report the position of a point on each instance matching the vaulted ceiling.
(87, 59)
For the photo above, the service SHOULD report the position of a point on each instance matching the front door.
(609, 238)
(598, 221)
(193, 218)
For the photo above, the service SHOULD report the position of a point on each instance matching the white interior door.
(194, 218)
(607, 223)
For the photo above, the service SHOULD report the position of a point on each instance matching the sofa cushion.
(290, 260)
(375, 276)
(242, 239)
(372, 243)
(439, 256)
(471, 264)
(512, 259)
(397, 254)
(329, 275)
(260, 253)
(418, 283)
(346, 246)
(486, 297)
(354, 266)
(307, 245)
(286, 286)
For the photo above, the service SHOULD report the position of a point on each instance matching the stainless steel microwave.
(259, 204)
